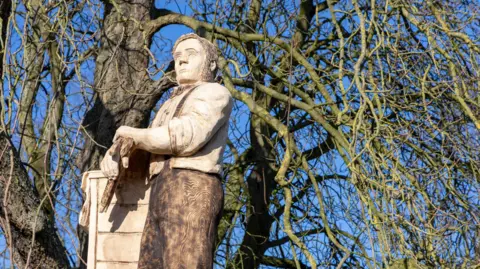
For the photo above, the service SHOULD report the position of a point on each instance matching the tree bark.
(30, 234)
(125, 94)
(5, 10)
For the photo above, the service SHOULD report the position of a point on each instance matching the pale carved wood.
(114, 236)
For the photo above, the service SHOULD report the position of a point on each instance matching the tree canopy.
(354, 140)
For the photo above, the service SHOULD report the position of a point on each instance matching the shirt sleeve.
(203, 113)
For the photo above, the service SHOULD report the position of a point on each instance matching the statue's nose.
(183, 60)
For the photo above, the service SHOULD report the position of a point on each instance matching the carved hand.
(126, 132)
(110, 163)
(121, 149)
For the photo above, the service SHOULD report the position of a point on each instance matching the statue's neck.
(185, 87)
(193, 84)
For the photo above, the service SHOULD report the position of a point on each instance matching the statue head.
(195, 59)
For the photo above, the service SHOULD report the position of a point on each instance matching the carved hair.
(211, 55)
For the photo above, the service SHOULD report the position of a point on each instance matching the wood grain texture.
(182, 220)
(118, 247)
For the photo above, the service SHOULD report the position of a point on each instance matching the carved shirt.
(199, 133)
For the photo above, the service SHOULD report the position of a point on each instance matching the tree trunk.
(125, 94)
(30, 235)
(22, 218)
(5, 9)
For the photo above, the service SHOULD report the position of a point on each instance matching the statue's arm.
(154, 140)
(207, 109)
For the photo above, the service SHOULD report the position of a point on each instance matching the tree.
(354, 140)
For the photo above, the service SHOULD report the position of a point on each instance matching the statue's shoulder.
(213, 85)
(213, 88)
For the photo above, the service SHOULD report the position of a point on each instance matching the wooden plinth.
(114, 236)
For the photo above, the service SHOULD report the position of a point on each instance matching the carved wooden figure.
(181, 154)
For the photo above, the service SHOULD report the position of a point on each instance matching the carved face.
(190, 58)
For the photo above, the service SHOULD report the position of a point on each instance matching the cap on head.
(210, 52)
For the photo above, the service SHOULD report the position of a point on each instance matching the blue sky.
(80, 94)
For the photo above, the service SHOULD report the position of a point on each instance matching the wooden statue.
(186, 141)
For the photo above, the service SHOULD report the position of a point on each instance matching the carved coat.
(199, 134)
